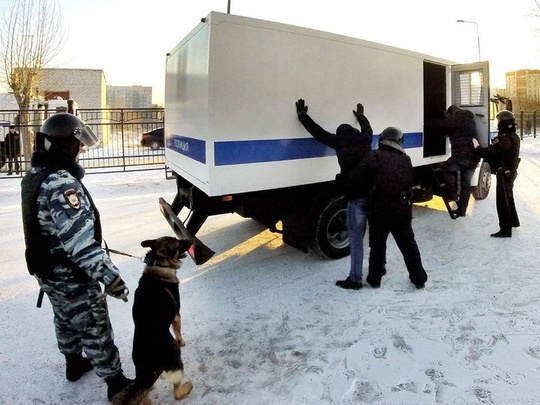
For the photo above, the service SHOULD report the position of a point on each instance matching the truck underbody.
(308, 216)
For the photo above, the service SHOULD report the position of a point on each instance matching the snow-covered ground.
(264, 323)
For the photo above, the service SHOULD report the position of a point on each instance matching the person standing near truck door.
(503, 158)
(389, 175)
(351, 145)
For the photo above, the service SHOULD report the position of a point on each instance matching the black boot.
(116, 384)
(502, 234)
(76, 366)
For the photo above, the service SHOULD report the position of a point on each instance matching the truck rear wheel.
(481, 190)
(330, 232)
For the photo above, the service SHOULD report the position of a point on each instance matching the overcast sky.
(129, 40)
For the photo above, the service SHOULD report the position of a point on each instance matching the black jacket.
(350, 144)
(12, 144)
(503, 152)
(388, 174)
(461, 129)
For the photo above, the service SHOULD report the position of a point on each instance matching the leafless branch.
(31, 36)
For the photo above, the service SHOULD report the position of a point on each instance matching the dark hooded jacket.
(350, 144)
(461, 129)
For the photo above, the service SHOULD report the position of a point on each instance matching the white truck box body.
(231, 86)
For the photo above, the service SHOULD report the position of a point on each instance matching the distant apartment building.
(129, 96)
(523, 85)
(87, 87)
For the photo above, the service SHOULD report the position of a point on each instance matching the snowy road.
(265, 324)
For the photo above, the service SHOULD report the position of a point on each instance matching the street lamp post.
(477, 34)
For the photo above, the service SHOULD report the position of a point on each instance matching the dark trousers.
(451, 168)
(380, 226)
(506, 207)
(10, 161)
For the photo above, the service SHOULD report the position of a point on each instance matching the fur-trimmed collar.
(166, 274)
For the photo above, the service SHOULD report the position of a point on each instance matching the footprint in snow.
(400, 344)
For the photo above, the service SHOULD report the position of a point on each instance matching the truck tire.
(481, 190)
(329, 232)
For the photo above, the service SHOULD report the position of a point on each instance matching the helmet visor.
(87, 137)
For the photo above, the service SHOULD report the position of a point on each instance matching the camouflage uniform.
(68, 219)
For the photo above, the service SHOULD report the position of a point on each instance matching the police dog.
(156, 308)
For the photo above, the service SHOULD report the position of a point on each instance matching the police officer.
(389, 175)
(503, 157)
(63, 251)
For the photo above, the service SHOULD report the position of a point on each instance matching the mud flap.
(199, 252)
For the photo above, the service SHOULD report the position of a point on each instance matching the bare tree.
(30, 37)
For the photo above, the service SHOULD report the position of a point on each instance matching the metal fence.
(119, 130)
(527, 123)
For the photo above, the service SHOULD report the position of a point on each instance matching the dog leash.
(118, 252)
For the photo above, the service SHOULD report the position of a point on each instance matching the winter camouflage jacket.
(68, 220)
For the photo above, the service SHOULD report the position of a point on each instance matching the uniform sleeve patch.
(72, 198)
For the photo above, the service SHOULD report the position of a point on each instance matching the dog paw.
(182, 391)
(181, 342)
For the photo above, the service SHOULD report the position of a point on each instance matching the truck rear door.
(470, 90)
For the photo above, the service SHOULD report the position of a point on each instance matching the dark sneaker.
(76, 366)
(420, 286)
(348, 284)
(458, 213)
(502, 234)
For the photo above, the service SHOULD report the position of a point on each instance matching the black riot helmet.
(62, 134)
(392, 136)
(506, 122)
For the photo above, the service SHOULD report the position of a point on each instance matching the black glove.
(118, 289)
(301, 106)
(359, 110)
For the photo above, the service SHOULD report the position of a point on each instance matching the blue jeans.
(357, 221)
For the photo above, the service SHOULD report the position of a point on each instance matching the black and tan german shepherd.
(156, 308)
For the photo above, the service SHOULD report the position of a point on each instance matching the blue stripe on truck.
(190, 147)
(228, 153)
(268, 150)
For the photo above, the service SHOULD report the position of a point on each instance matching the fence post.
(521, 124)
